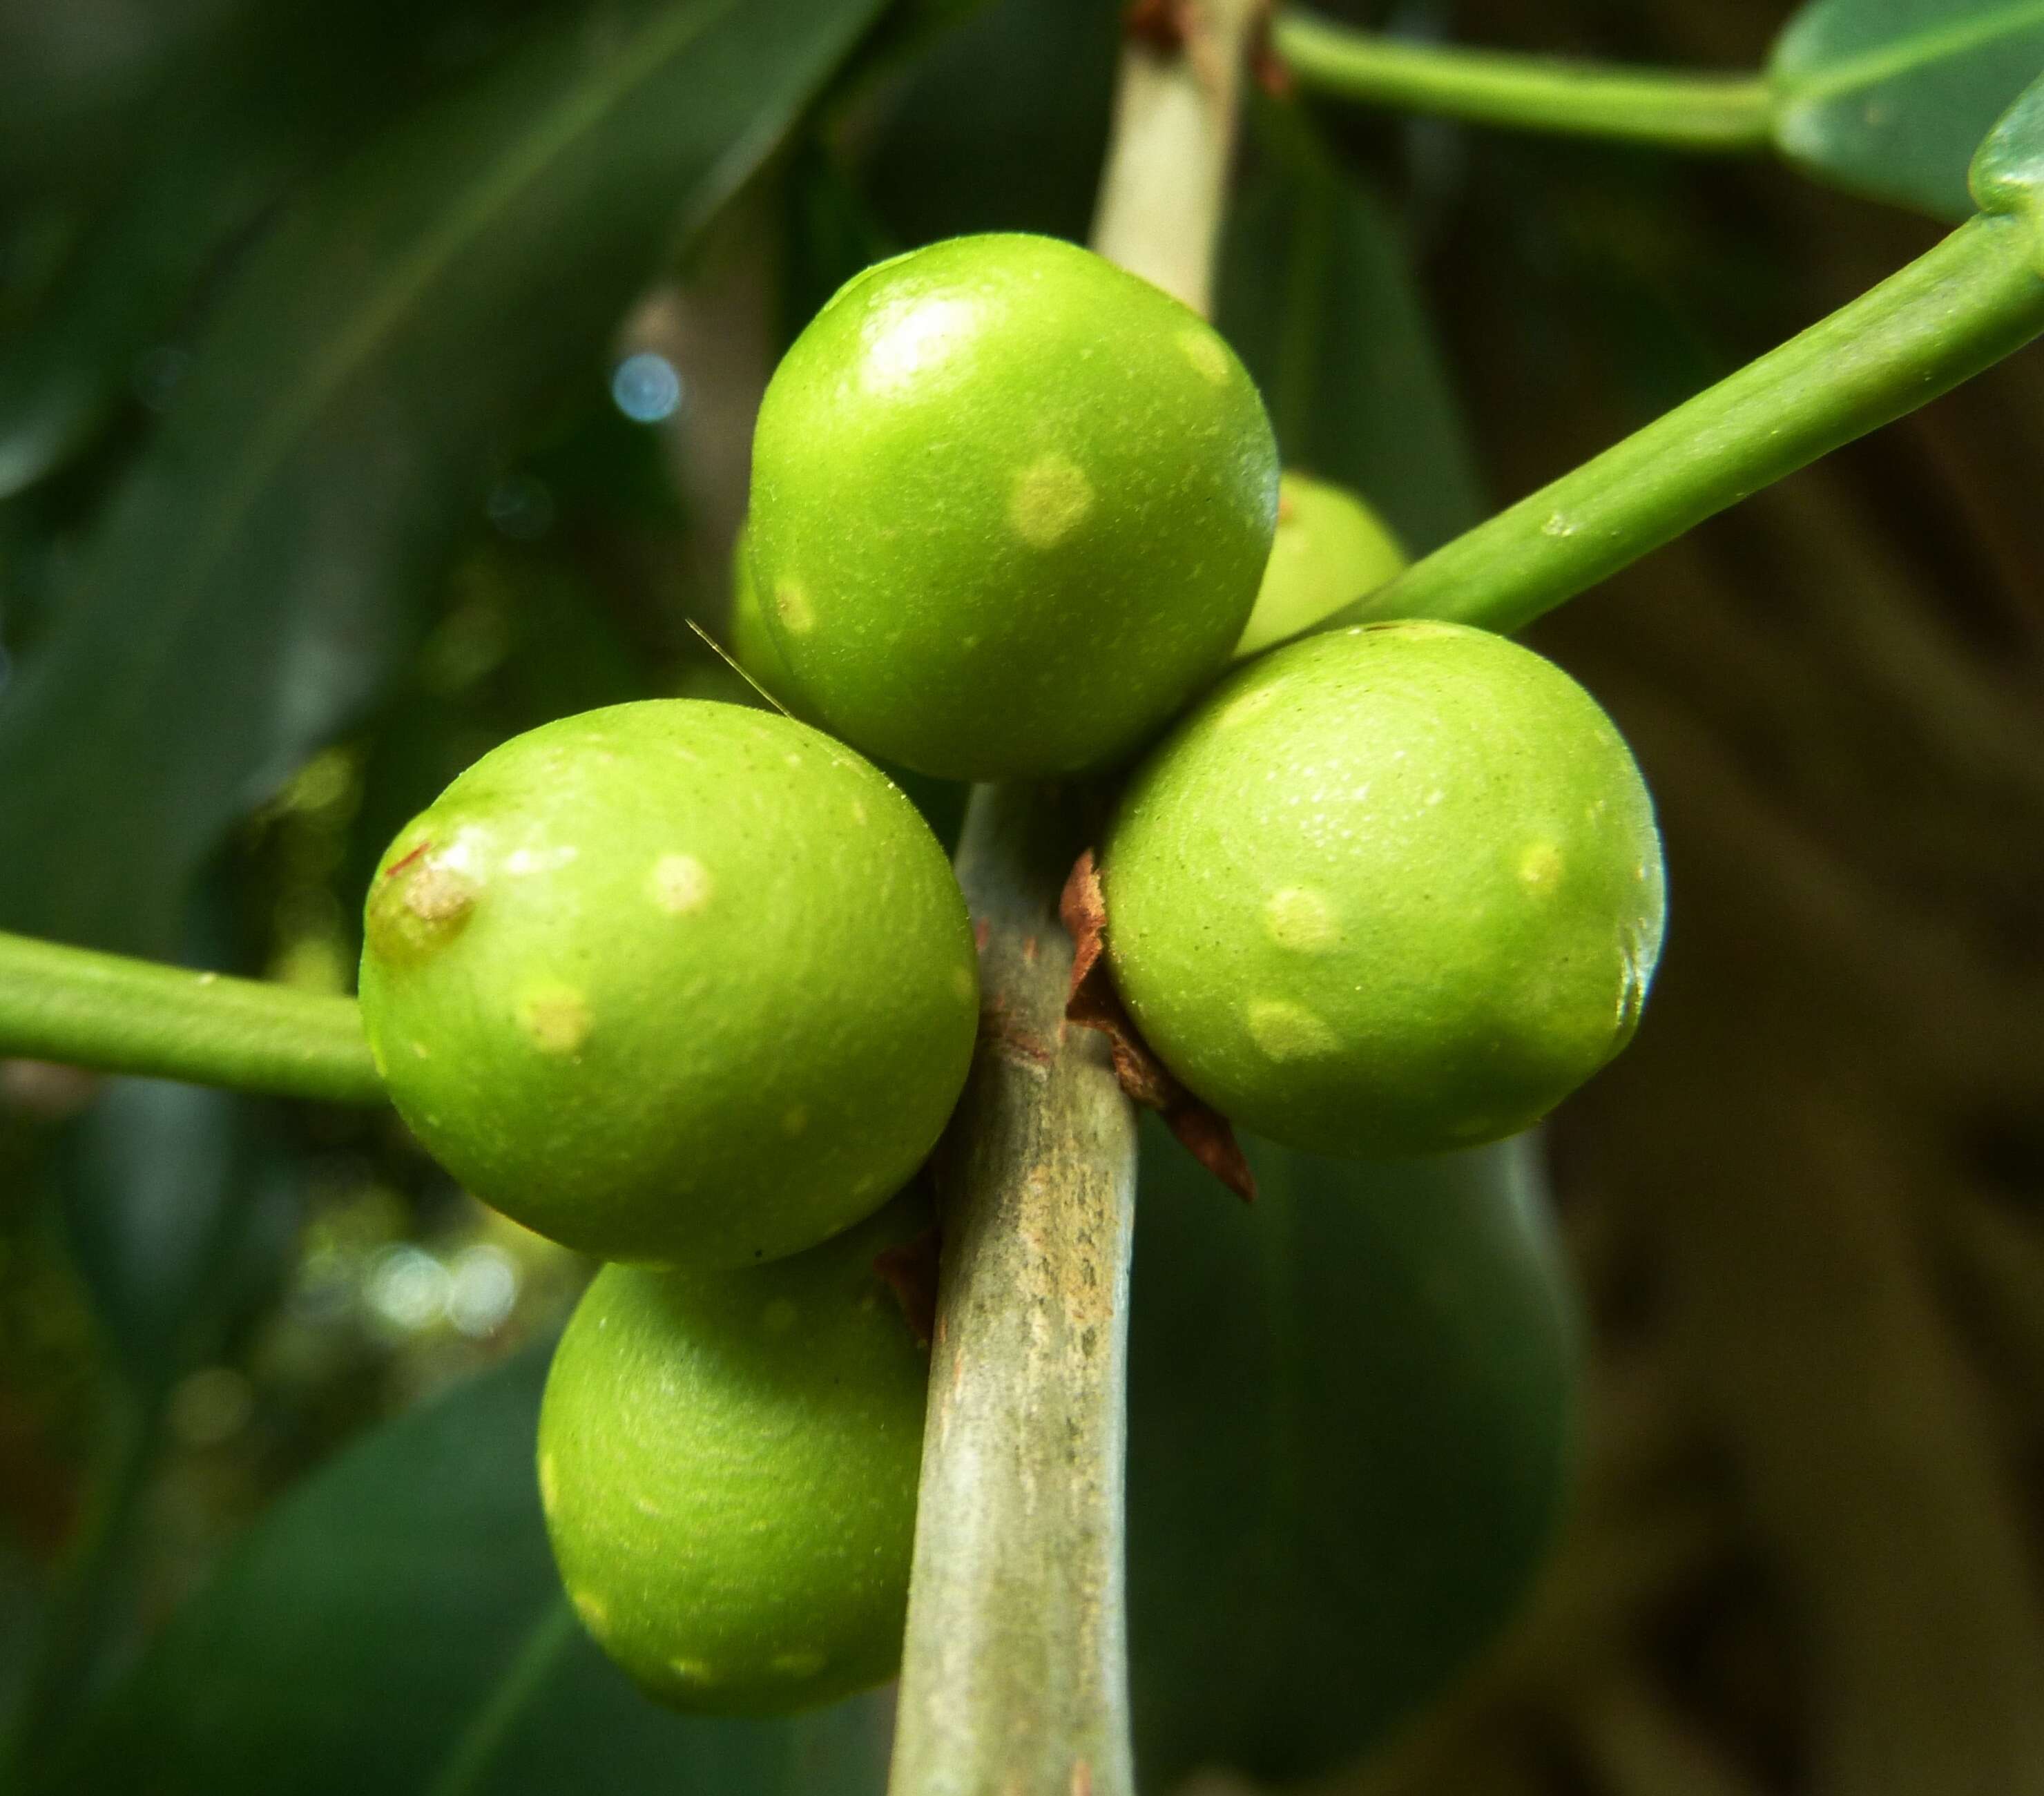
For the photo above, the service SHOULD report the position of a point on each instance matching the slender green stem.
(1676, 108)
(1976, 295)
(120, 1015)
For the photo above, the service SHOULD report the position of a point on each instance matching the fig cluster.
(691, 986)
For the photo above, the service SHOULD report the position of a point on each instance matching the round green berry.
(727, 1463)
(672, 981)
(1010, 505)
(1392, 889)
(752, 644)
(1330, 548)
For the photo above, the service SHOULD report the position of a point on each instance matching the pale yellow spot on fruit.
(524, 860)
(794, 1120)
(594, 1612)
(436, 893)
(681, 884)
(646, 1505)
(798, 616)
(1540, 866)
(1249, 705)
(556, 1017)
(963, 985)
(548, 1487)
(793, 760)
(693, 1670)
(1051, 498)
(1205, 354)
(859, 811)
(421, 1049)
(804, 1664)
(1285, 1030)
(1298, 918)
(906, 342)
(779, 1317)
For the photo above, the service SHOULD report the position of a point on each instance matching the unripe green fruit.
(1330, 548)
(752, 644)
(672, 981)
(727, 1462)
(1010, 505)
(1392, 889)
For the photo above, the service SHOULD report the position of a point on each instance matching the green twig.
(120, 1015)
(1953, 311)
(1672, 107)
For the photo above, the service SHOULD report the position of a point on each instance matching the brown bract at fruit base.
(1092, 1002)
(910, 1272)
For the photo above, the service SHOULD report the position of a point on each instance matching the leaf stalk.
(1676, 109)
(1971, 299)
(116, 1015)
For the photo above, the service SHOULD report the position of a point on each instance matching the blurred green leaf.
(253, 587)
(68, 72)
(1002, 125)
(1352, 1426)
(176, 1219)
(223, 138)
(1889, 97)
(2007, 173)
(396, 1624)
(1316, 293)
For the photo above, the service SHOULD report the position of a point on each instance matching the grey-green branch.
(1015, 1673)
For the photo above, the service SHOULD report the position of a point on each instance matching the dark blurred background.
(1803, 1216)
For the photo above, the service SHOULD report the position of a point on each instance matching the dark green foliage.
(396, 1624)
(1352, 1422)
(1887, 97)
(334, 431)
(1317, 295)
(2007, 174)
(177, 1212)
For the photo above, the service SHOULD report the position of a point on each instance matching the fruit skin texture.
(1010, 506)
(752, 644)
(1330, 548)
(1390, 890)
(672, 981)
(727, 1463)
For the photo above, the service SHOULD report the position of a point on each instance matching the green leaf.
(1002, 126)
(1352, 1427)
(1888, 98)
(2007, 174)
(176, 1219)
(72, 76)
(396, 1624)
(1316, 293)
(383, 350)
(223, 139)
